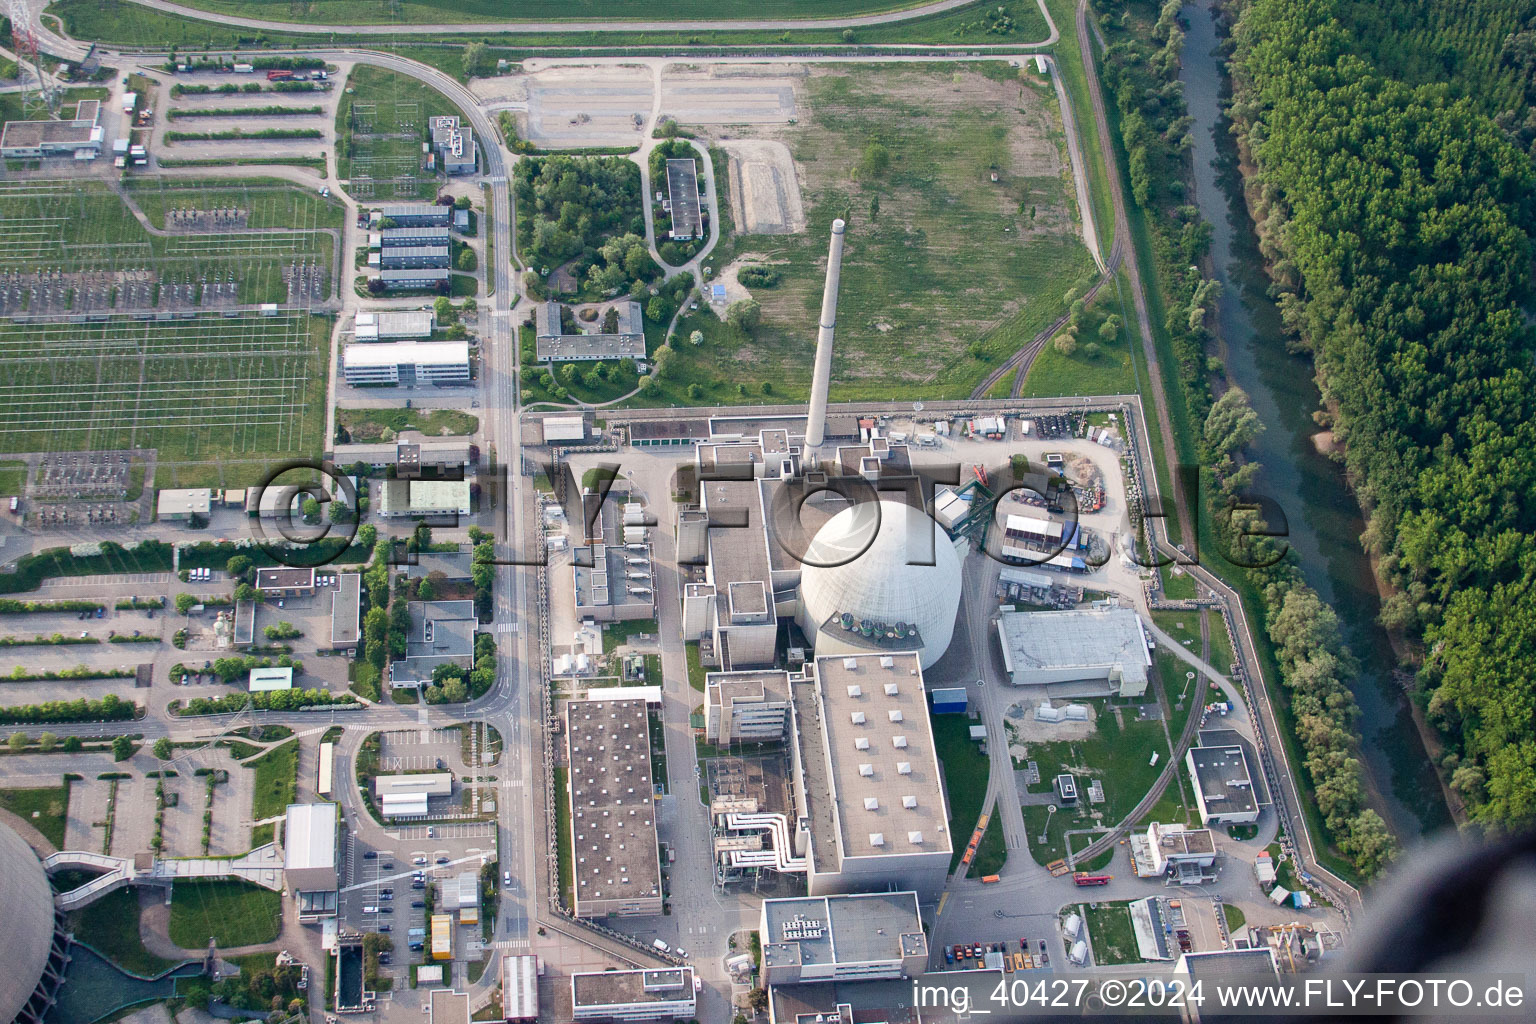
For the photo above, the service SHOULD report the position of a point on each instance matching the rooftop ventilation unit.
(877, 839)
(854, 691)
(891, 689)
(867, 770)
(871, 804)
(915, 838)
(909, 802)
(903, 767)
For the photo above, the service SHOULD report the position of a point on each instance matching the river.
(1322, 516)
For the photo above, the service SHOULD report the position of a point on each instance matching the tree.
(338, 512)
(162, 749)
(425, 591)
(122, 748)
(184, 603)
(476, 60)
(848, 35)
(744, 315)
(18, 742)
(611, 320)
(696, 338)
(766, 387)
(367, 535)
(875, 161)
(311, 509)
(46, 742)
(246, 592)
(695, 391)
(461, 203)
(444, 311)
(467, 260)
(238, 566)
(1065, 343)
(72, 744)
(1109, 330)
(657, 310)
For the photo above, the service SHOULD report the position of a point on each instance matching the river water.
(1322, 517)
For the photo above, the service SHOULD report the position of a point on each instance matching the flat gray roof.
(683, 195)
(1228, 963)
(884, 769)
(613, 814)
(1224, 780)
(1092, 640)
(608, 988)
(853, 929)
(738, 540)
(346, 607)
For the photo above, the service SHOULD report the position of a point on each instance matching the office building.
(406, 363)
(282, 581)
(416, 257)
(645, 995)
(440, 633)
(183, 503)
(555, 343)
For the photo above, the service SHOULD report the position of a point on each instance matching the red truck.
(279, 76)
(1082, 878)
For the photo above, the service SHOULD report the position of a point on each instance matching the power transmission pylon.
(39, 100)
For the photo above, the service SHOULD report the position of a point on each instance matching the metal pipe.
(821, 380)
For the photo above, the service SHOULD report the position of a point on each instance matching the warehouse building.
(441, 633)
(564, 429)
(553, 344)
(393, 326)
(414, 257)
(865, 936)
(266, 680)
(415, 280)
(868, 774)
(1077, 653)
(746, 707)
(445, 1006)
(408, 238)
(613, 811)
(309, 858)
(1223, 785)
(346, 611)
(425, 498)
(414, 215)
(406, 363)
(519, 987)
(683, 199)
(643, 995)
(183, 503)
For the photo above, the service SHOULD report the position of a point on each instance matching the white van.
(370, 910)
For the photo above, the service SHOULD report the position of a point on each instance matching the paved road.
(603, 25)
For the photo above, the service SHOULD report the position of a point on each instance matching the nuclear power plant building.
(776, 543)
(34, 948)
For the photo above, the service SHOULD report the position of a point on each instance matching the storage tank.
(1079, 954)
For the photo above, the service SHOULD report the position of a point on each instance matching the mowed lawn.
(111, 927)
(43, 809)
(946, 276)
(277, 779)
(1110, 933)
(966, 770)
(232, 913)
(364, 12)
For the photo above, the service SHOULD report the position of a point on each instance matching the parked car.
(370, 855)
(383, 927)
(386, 910)
(442, 860)
(949, 955)
(418, 903)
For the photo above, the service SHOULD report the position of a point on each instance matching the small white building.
(265, 680)
(183, 502)
(1223, 785)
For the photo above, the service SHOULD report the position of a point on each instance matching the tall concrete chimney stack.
(816, 420)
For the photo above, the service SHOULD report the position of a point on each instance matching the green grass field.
(368, 425)
(380, 125)
(13, 478)
(567, 861)
(1040, 821)
(233, 913)
(991, 852)
(1116, 753)
(43, 809)
(1112, 937)
(111, 926)
(277, 775)
(966, 770)
(363, 12)
(952, 274)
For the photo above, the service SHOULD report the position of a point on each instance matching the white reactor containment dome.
(873, 574)
(26, 941)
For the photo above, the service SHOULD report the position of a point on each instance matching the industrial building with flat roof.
(415, 215)
(409, 457)
(30, 140)
(445, 1006)
(414, 257)
(408, 796)
(746, 707)
(519, 987)
(406, 363)
(383, 325)
(553, 344)
(440, 633)
(183, 502)
(869, 775)
(1223, 786)
(266, 680)
(1082, 652)
(1182, 854)
(399, 280)
(683, 199)
(346, 611)
(654, 994)
(425, 498)
(454, 144)
(861, 936)
(617, 862)
(409, 238)
(309, 858)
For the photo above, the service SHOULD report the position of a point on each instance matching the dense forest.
(1394, 197)
(583, 209)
